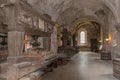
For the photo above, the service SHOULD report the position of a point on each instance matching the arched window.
(82, 37)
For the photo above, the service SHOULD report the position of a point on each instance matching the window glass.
(82, 37)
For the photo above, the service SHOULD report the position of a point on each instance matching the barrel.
(105, 55)
(116, 67)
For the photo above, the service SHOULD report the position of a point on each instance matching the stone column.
(54, 40)
(46, 42)
(115, 40)
(16, 32)
(74, 40)
(15, 45)
(117, 26)
(65, 37)
(104, 41)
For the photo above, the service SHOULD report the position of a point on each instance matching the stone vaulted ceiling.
(57, 6)
(65, 12)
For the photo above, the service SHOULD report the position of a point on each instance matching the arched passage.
(92, 33)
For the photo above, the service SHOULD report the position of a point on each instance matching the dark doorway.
(94, 45)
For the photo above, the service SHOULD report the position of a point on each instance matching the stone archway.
(91, 26)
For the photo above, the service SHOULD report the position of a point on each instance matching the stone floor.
(84, 66)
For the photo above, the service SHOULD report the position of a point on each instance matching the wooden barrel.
(116, 67)
(105, 55)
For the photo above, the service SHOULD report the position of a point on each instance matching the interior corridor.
(83, 66)
(36, 36)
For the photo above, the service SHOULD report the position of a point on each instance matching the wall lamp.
(100, 41)
(107, 39)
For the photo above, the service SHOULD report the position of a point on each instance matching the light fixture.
(107, 39)
(100, 41)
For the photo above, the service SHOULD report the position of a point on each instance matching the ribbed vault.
(65, 12)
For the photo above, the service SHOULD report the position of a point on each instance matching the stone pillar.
(116, 42)
(104, 41)
(15, 44)
(54, 40)
(65, 37)
(117, 26)
(16, 32)
(49, 43)
(74, 40)
(46, 42)
(15, 50)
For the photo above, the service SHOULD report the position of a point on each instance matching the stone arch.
(63, 14)
(83, 21)
(112, 8)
